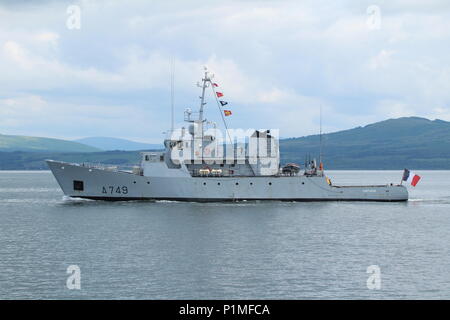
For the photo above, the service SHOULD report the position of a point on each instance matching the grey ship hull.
(100, 184)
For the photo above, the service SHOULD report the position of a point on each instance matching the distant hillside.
(414, 143)
(391, 144)
(105, 143)
(36, 160)
(34, 144)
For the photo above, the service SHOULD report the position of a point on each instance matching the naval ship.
(198, 166)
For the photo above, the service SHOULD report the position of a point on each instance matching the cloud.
(69, 120)
(381, 60)
(278, 63)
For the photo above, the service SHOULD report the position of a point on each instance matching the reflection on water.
(248, 249)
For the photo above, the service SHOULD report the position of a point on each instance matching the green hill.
(110, 144)
(34, 144)
(20, 160)
(391, 144)
(414, 143)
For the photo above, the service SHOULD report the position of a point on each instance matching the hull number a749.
(115, 189)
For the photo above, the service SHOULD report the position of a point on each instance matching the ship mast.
(205, 85)
(202, 98)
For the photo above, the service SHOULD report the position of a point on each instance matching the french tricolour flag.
(410, 177)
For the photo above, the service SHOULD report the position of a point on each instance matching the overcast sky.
(276, 62)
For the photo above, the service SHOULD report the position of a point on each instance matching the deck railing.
(109, 167)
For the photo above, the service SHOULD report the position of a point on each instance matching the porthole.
(78, 185)
(251, 183)
(218, 183)
(303, 183)
(270, 183)
(134, 181)
(237, 183)
(148, 182)
(204, 183)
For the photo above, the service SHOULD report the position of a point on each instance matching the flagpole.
(320, 135)
(403, 175)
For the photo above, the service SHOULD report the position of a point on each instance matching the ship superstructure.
(200, 163)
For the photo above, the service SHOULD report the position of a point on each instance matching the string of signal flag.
(222, 102)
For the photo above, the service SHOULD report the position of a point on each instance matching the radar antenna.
(172, 93)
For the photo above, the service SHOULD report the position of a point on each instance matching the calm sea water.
(278, 250)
